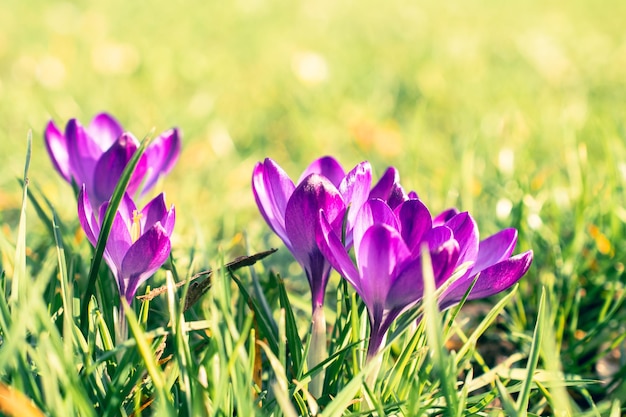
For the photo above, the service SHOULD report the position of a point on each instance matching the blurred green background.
(481, 104)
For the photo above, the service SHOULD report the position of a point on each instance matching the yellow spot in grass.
(79, 235)
(602, 242)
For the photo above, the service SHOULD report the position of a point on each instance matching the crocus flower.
(388, 271)
(139, 240)
(292, 213)
(97, 155)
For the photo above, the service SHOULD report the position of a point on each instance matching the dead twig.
(198, 288)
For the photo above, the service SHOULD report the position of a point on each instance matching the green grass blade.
(267, 326)
(485, 323)
(19, 272)
(150, 363)
(443, 365)
(508, 403)
(533, 358)
(346, 396)
(291, 329)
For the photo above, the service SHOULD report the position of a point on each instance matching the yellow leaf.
(14, 403)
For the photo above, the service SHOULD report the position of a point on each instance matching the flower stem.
(376, 341)
(121, 327)
(317, 349)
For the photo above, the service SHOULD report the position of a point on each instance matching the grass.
(511, 111)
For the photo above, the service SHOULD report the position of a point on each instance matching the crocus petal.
(334, 251)
(372, 212)
(103, 210)
(111, 164)
(154, 211)
(444, 259)
(397, 196)
(86, 216)
(382, 189)
(169, 220)
(415, 221)
(82, 153)
(381, 251)
(313, 194)
(144, 258)
(355, 188)
(389, 189)
(495, 248)
(466, 233)
(326, 166)
(104, 130)
(161, 156)
(120, 238)
(119, 241)
(409, 285)
(444, 252)
(56, 144)
(92, 226)
(272, 189)
(126, 210)
(491, 280)
(444, 216)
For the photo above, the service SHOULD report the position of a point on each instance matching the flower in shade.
(97, 155)
(139, 240)
(292, 211)
(388, 250)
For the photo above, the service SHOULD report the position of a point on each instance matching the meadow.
(513, 111)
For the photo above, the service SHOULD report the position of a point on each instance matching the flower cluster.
(93, 159)
(389, 231)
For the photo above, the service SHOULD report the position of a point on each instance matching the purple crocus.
(97, 155)
(388, 271)
(292, 213)
(139, 240)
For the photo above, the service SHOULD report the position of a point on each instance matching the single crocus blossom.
(388, 250)
(97, 155)
(292, 213)
(139, 240)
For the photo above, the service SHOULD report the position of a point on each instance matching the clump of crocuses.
(139, 240)
(329, 212)
(292, 212)
(97, 155)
